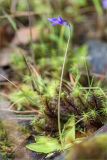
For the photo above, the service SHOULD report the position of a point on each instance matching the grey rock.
(97, 56)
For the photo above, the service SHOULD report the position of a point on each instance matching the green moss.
(6, 147)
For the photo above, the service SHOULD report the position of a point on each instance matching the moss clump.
(6, 148)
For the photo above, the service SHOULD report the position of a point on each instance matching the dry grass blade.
(30, 30)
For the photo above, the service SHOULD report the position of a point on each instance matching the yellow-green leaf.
(45, 145)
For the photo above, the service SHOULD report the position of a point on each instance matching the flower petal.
(52, 19)
(60, 19)
(54, 24)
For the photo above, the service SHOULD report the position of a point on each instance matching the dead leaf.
(5, 56)
(23, 35)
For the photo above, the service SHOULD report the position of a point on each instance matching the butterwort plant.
(60, 21)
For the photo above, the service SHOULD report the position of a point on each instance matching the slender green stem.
(87, 71)
(60, 88)
(90, 82)
(98, 7)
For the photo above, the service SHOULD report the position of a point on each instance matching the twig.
(9, 81)
(21, 112)
(19, 14)
(21, 118)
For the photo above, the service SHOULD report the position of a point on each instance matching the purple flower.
(104, 3)
(58, 21)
